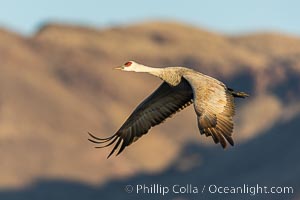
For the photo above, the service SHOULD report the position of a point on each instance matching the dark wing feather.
(214, 107)
(161, 104)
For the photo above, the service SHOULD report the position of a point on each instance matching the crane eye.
(127, 64)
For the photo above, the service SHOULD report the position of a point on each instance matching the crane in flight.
(213, 104)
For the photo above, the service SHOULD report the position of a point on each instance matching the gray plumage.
(213, 104)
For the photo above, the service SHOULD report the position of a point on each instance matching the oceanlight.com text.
(211, 189)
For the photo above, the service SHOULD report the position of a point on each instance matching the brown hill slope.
(58, 84)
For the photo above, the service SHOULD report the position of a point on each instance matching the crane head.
(129, 66)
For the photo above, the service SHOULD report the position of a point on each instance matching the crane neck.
(150, 70)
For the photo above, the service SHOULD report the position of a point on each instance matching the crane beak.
(119, 68)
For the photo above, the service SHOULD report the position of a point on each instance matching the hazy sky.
(228, 16)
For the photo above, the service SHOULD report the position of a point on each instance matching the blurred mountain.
(58, 84)
(252, 164)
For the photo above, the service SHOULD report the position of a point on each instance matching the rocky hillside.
(58, 84)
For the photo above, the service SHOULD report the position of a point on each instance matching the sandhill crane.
(213, 104)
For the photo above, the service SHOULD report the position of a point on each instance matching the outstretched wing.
(161, 104)
(214, 106)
